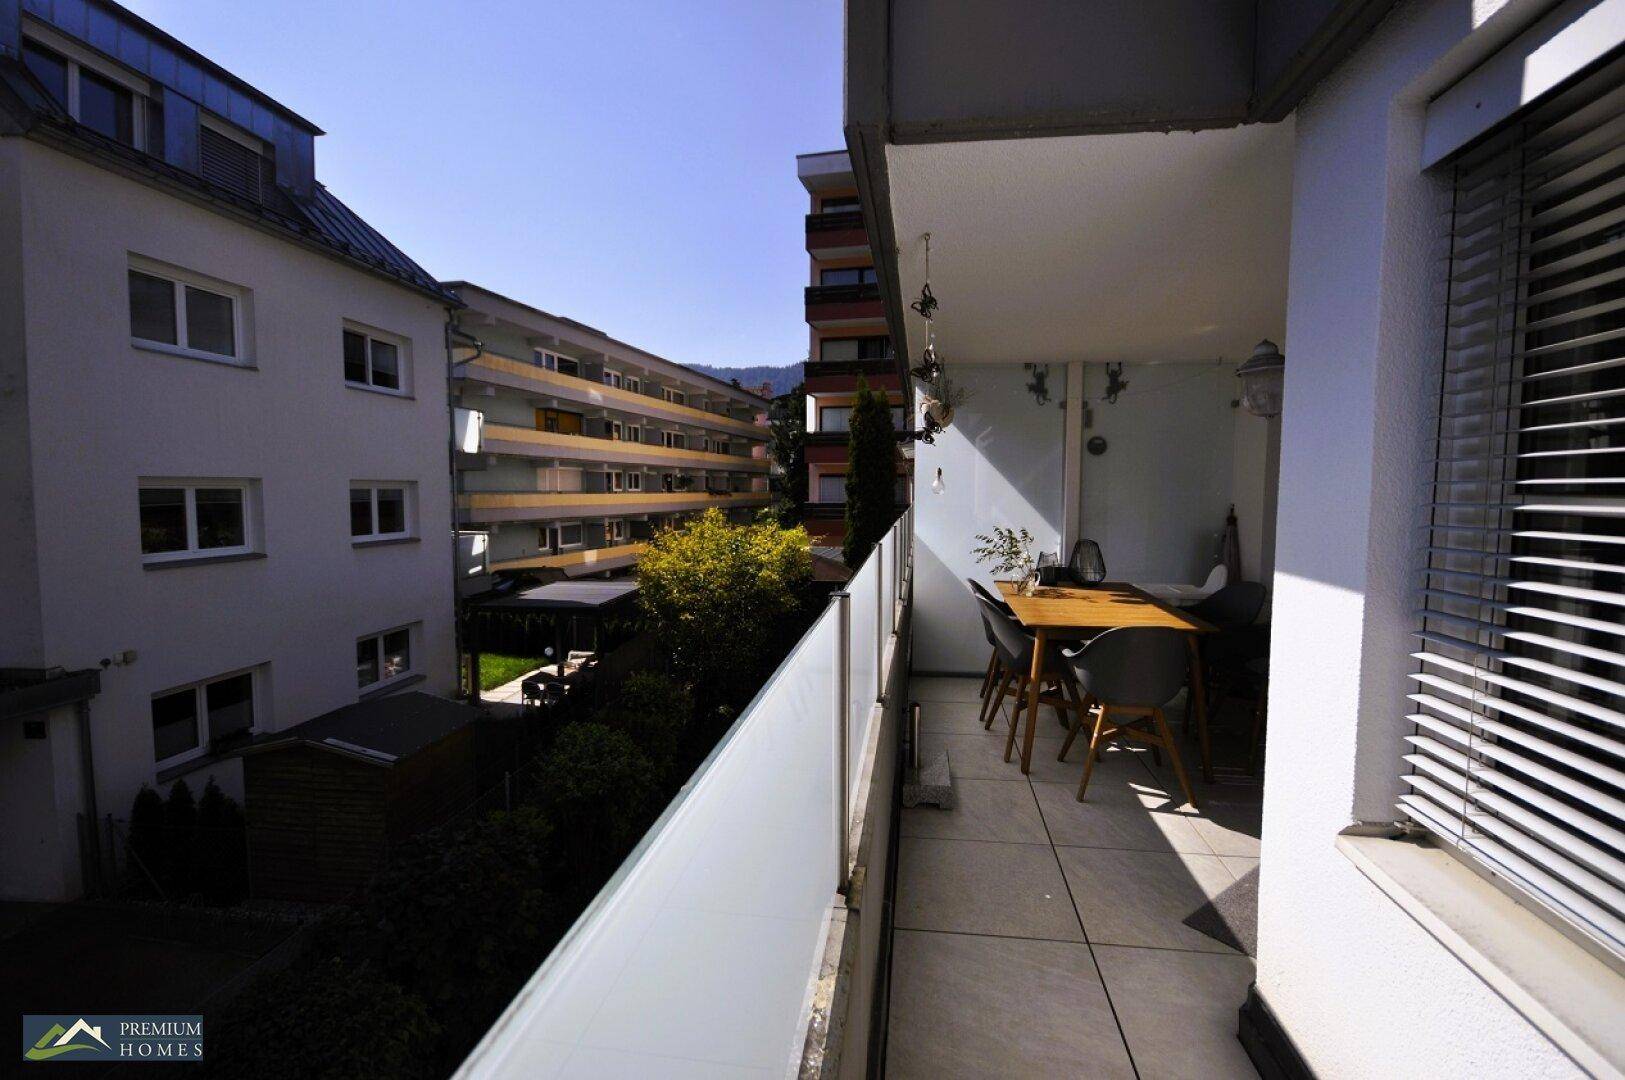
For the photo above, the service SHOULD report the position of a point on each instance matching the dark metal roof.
(564, 596)
(381, 730)
(319, 219)
(26, 691)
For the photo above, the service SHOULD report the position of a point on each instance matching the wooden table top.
(1101, 607)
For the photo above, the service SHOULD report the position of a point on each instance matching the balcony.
(573, 563)
(839, 305)
(484, 507)
(528, 442)
(841, 376)
(495, 370)
(836, 234)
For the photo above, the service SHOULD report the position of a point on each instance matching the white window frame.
(81, 59)
(614, 531)
(613, 378)
(617, 431)
(580, 534)
(181, 280)
(634, 433)
(403, 359)
(614, 480)
(200, 703)
(192, 552)
(634, 481)
(408, 508)
(632, 383)
(675, 397)
(413, 643)
(674, 440)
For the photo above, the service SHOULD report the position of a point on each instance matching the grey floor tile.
(1238, 865)
(1178, 1010)
(983, 810)
(1126, 816)
(933, 688)
(976, 887)
(980, 755)
(950, 717)
(964, 1006)
(1230, 829)
(1143, 897)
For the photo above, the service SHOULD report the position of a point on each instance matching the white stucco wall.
(103, 414)
(1359, 986)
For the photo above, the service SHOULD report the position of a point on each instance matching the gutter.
(455, 331)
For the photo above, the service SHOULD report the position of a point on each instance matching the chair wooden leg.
(987, 679)
(1173, 755)
(1015, 715)
(1078, 721)
(1092, 756)
(990, 707)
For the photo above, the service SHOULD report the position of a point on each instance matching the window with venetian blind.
(1514, 757)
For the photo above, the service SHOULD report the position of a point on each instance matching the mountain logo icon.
(59, 1040)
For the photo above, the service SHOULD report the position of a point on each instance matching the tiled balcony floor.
(1040, 936)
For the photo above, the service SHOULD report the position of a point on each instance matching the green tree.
(871, 474)
(146, 846)
(601, 791)
(723, 597)
(658, 714)
(222, 846)
(180, 842)
(787, 428)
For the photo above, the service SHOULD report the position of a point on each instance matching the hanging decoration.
(1038, 385)
(1115, 383)
(939, 395)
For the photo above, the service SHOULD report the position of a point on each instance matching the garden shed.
(327, 799)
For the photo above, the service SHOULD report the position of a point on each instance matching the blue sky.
(629, 164)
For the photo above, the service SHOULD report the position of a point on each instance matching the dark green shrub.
(332, 1019)
(871, 474)
(657, 714)
(180, 827)
(601, 792)
(221, 847)
(146, 841)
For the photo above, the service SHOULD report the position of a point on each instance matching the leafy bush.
(221, 847)
(658, 714)
(601, 791)
(146, 842)
(179, 874)
(190, 848)
(871, 474)
(333, 1019)
(724, 598)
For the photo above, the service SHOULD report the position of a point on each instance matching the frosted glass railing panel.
(697, 957)
(861, 690)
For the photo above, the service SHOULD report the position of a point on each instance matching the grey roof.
(565, 596)
(380, 730)
(320, 219)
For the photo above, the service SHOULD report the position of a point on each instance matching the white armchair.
(1181, 595)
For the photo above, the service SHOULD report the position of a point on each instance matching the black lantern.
(1087, 565)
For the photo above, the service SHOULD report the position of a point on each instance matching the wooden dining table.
(1063, 612)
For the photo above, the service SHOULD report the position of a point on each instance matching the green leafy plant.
(787, 444)
(658, 714)
(723, 597)
(871, 474)
(1006, 551)
(602, 791)
(220, 847)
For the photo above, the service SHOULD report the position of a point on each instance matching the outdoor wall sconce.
(1261, 376)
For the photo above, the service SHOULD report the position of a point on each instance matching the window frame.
(614, 480)
(632, 383)
(634, 480)
(181, 280)
(403, 359)
(193, 553)
(408, 510)
(613, 378)
(80, 59)
(614, 531)
(413, 633)
(673, 396)
(199, 691)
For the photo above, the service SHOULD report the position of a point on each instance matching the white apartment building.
(575, 447)
(223, 427)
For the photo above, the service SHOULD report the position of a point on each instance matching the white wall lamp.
(1261, 376)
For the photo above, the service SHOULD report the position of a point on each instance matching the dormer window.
(230, 163)
(97, 95)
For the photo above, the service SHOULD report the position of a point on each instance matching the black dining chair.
(1013, 648)
(1130, 673)
(979, 593)
(1233, 607)
(1232, 611)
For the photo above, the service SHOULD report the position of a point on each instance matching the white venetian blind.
(1517, 753)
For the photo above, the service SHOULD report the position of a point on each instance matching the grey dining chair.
(1131, 672)
(979, 594)
(1013, 651)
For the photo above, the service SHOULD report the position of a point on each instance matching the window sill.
(193, 354)
(394, 685)
(1571, 996)
(387, 541)
(202, 761)
(199, 560)
(379, 390)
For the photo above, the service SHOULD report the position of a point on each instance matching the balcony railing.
(585, 560)
(488, 506)
(842, 294)
(703, 947)
(836, 220)
(510, 438)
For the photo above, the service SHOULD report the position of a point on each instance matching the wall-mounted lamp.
(936, 484)
(1261, 376)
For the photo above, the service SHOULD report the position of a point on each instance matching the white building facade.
(226, 463)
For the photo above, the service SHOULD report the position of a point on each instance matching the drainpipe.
(454, 331)
(87, 771)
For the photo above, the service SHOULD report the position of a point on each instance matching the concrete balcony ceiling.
(1144, 246)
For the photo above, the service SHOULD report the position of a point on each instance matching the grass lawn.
(496, 669)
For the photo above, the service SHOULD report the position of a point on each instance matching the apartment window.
(1512, 758)
(634, 433)
(614, 531)
(676, 397)
(107, 107)
(634, 384)
(849, 275)
(616, 431)
(372, 361)
(560, 537)
(612, 378)
(674, 440)
(189, 720)
(380, 511)
(566, 365)
(614, 481)
(838, 204)
(96, 97)
(49, 68)
(563, 423)
(832, 488)
(201, 519)
(834, 418)
(855, 348)
(179, 313)
(381, 659)
(229, 162)
(634, 481)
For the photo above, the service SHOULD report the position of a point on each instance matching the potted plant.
(941, 397)
(1008, 552)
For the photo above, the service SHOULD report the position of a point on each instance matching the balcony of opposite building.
(529, 442)
(484, 507)
(836, 233)
(835, 305)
